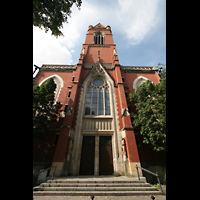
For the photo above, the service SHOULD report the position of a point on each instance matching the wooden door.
(87, 156)
(105, 156)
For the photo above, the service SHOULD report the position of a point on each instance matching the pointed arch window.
(98, 98)
(138, 81)
(59, 84)
(99, 38)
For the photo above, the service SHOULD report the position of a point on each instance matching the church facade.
(94, 133)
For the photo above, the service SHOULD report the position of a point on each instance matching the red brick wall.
(105, 55)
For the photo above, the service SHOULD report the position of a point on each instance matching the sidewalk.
(140, 197)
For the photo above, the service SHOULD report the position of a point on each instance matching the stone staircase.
(109, 186)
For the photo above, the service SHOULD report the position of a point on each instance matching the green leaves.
(150, 102)
(44, 109)
(52, 14)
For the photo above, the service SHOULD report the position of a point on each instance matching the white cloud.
(138, 18)
(75, 30)
(132, 19)
(48, 50)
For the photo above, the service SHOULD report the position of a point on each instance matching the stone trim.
(58, 68)
(114, 128)
(128, 128)
(59, 84)
(137, 69)
(98, 45)
(137, 80)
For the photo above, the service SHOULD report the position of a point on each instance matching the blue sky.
(138, 28)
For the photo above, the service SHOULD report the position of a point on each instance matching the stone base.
(127, 168)
(120, 169)
(133, 170)
(59, 168)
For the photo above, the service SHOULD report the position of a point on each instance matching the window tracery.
(98, 98)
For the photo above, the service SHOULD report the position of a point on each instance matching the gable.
(98, 70)
(99, 25)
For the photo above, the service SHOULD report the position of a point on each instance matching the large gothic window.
(97, 99)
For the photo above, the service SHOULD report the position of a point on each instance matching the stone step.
(99, 189)
(103, 186)
(94, 181)
(96, 193)
(95, 185)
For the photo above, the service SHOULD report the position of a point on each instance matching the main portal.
(103, 155)
(87, 156)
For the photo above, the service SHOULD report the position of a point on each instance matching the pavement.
(139, 197)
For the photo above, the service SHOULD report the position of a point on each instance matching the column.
(96, 156)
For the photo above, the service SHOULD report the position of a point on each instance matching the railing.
(52, 177)
(155, 174)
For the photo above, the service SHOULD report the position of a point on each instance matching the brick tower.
(94, 133)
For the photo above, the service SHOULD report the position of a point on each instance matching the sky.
(138, 28)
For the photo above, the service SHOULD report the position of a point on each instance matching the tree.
(162, 73)
(51, 14)
(44, 109)
(150, 102)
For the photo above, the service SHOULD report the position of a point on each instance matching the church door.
(87, 156)
(105, 156)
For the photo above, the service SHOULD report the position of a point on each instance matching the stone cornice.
(137, 69)
(62, 68)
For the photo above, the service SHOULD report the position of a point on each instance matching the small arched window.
(99, 38)
(98, 98)
(138, 81)
(59, 84)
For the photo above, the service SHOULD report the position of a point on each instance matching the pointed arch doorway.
(88, 155)
(105, 156)
(96, 156)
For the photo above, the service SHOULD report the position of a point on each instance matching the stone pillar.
(96, 156)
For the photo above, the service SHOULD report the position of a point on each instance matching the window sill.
(97, 117)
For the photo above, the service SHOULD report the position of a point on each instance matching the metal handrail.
(52, 177)
(155, 174)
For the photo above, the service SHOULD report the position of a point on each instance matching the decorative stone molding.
(138, 81)
(101, 124)
(57, 68)
(125, 112)
(59, 84)
(96, 125)
(137, 69)
(128, 128)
